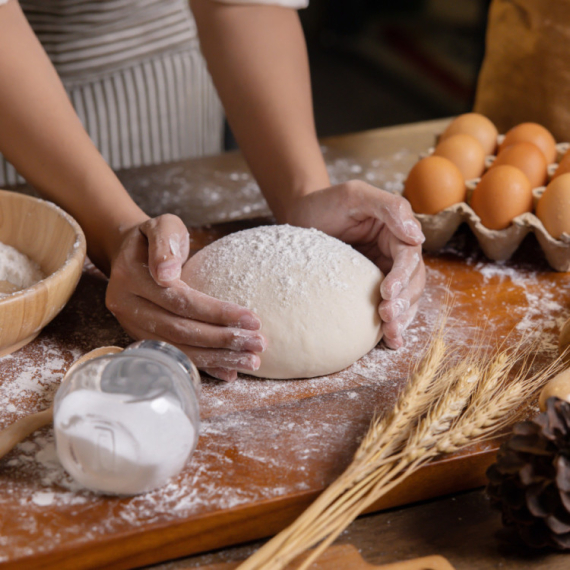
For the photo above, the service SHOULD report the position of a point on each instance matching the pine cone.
(530, 481)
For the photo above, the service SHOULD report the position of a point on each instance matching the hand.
(382, 227)
(150, 301)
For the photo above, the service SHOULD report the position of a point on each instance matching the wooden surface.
(55, 241)
(461, 528)
(267, 448)
(346, 557)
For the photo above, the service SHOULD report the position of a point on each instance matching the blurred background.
(377, 63)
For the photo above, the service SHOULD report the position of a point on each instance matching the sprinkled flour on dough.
(281, 250)
(17, 268)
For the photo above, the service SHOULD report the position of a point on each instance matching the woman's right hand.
(148, 298)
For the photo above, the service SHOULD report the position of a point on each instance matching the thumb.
(168, 248)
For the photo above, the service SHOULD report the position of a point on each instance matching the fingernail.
(393, 343)
(393, 309)
(226, 375)
(168, 270)
(414, 231)
(249, 322)
(255, 344)
(246, 340)
(250, 362)
(174, 243)
(400, 307)
(395, 290)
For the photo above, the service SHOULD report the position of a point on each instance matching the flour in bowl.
(17, 271)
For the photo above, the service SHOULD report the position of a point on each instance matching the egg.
(503, 193)
(466, 152)
(534, 133)
(553, 208)
(477, 126)
(563, 166)
(527, 157)
(434, 184)
(558, 387)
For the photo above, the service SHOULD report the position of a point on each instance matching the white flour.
(264, 438)
(277, 250)
(110, 443)
(17, 268)
(211, 197)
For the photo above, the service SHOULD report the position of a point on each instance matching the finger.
(184, 301)
(168, 247)
(222, 374)
(390, 309)
(187, 302)
(175, 329)
(205, 357)
(131, 273)
(391, 209)
(220, 358)
(393, 331)
(407, 259)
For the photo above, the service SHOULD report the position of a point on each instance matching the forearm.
(258, 60)
(41, 135)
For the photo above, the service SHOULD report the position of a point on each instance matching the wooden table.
(267, 448)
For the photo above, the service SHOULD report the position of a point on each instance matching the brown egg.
(527, 157)
(503, 194)
(553, 208)
(466, 152)
(433, 184)
(477, 126)
(563, 166)
(559, 386)
(534, 133)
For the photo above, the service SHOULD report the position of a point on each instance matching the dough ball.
(316, 296)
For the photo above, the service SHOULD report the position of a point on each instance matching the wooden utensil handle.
(346, 557)
(22, 428)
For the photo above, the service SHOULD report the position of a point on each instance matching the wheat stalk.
(445, 406)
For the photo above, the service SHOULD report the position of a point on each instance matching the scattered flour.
(208, 197)
(18, 269)
(43, 498)
(259, 439)
(280, 250)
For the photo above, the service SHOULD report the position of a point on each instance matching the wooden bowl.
(52, 238)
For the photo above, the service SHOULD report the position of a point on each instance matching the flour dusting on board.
(216, 196)
(265, 437)
(278, 444)
(233, 431)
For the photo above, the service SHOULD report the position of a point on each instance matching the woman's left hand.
(381, 226)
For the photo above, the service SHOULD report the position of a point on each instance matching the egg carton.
(498, 245)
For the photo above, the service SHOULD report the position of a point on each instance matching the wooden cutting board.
(267, 448)
(346, 557)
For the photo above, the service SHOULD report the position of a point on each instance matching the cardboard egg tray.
(497, 245)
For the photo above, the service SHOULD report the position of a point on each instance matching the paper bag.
(525, 74)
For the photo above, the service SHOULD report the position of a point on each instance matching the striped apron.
(134, 73)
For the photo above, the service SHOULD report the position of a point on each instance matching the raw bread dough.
(316, 296)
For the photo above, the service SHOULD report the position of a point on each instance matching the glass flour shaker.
(126, 423)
